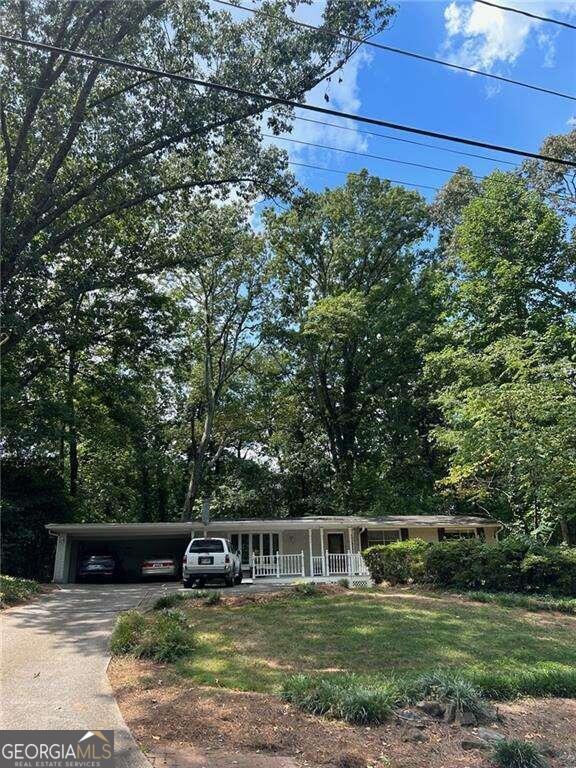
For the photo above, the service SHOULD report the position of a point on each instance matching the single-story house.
(308, 546)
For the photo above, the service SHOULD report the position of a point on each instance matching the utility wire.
(400, 51)
(365, 154)
(523, 13)
(345, 173)
(404, 141)
(105, 61)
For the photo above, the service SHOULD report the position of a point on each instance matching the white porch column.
(311, 552)
(349, 558)
(322, 550)
(303, 565)
(61, 558)
(350, 541)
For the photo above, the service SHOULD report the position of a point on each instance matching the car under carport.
(130, 545)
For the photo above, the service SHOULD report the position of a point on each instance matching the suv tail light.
(226, 558)
(184, 560)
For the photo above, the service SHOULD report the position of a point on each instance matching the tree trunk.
(568, 535)
(72, 432)
(198, 464)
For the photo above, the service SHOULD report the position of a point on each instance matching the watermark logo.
(56, 749)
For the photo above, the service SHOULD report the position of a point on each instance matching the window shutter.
(404, 535)
(364, 540)
(441, 534)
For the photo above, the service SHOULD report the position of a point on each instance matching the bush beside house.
(513, 565)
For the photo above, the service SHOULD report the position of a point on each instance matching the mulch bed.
(166, 713)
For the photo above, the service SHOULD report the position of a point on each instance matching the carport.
(130, 544)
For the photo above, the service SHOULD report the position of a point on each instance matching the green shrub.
(448, 687)
(164, 636)
(211, 597)
(14, 590)
(515, 564)
(541, 680)
(127, 632)
(528, 602)
(169, 601)
(305, 588)
(512, 753)
(397, 563)
(342, 697)
(455, 563)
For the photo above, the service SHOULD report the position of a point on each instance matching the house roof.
(277, 524)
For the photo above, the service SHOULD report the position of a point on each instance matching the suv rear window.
(206, 545)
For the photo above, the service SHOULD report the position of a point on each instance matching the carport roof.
(112, 530)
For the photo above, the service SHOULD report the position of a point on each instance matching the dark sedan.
(97, 566)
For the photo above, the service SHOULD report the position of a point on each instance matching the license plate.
(205, 560)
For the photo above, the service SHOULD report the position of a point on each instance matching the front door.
(335, 543)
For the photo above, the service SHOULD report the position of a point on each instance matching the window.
(382, 537)
(463, 534)
(207, 545)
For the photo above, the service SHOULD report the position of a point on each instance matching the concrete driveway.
(54, 655)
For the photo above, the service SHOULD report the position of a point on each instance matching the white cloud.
(483, 37)
(344, 94)
(571, 122)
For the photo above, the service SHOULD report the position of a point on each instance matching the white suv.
(211, 559)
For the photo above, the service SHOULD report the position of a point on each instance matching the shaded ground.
(191, 726)
(54, 655)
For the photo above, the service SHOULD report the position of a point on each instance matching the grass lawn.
(252, 647)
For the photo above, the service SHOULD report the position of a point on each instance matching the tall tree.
(224, 298)
(85, 144)
(350, 273)
(503, 369)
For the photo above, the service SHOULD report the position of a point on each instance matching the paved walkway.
(54, 655)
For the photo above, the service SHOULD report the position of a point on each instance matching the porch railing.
(278, 565)
(331, 564)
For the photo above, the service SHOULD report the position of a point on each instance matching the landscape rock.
(414, 735)
(432, 708)
(450, 712)
(486, 734)
(465, 717)
(412, 717)
(472, 742)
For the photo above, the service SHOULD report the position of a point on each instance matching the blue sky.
(403, 90)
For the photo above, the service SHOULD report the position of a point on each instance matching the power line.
(345, 173)
(105, 61)
(400, 51)
(523, 13)
(365, 154)
(404, 141)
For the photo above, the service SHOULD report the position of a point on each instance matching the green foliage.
(14, 590)
(510, 565)
(448, 687)
(32, 495)
(344, 697)
(163, 637)
(212, 597)
(397, 563)
(513, 753)
(541, 679)
(528, 602)
(359, 700)
(127, 632)
(305, 589)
